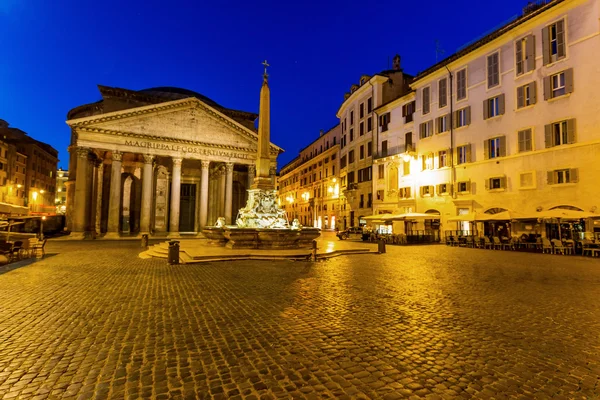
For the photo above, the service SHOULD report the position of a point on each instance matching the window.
(350, 177)
(443, 92)
(362, 152)
(493, 70)
(369, 200)
(369, 124)
(525, 140)
(427, 161)
(495, 183)
(461, 84)
(558, 84)
(426, 129)
(369, 149)
(462, 117)
(526, 95)
(493, 107)
(443, 123)
(426, 100)
(527, 180)
(361, 204)
(426, 191)
(351, 118)
(407, 111)
(560, 133)
(384, 120)
(381, 171)
(553, 42)
(350, 156)
(463, 187)
(406, 168)
(380, 195)
(351, 134)
(562, 176)
(525, 55)
(408, 144)
(384, 148)
(404, 192)
(494, 148)
(370, 104)
(361, 112)
(443, 188)
(464, 154)
(361, 128)
(443, 159)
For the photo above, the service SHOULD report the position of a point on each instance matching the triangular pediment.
(181, 120)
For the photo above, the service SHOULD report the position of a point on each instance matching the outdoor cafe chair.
(497, 243)
(569, 246)
(15, 252)
(558, 246)
(546, 246)
(39, 248)
(487, 244)
(469, 241)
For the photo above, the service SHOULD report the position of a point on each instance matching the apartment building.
(62, 177)
(309, 187)
(40, 169)
(359, 132)
(510, 122)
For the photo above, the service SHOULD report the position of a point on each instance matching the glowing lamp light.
(19, 186)
(42, 191)
(59, 189)
(34, 195)
(406, 157)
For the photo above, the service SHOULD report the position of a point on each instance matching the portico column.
(96, 203)
(147, 177)
(222, 188)
(175, 198)
(114, 201)
(99, 190)
(228, 192)
(251, 173)
(273, 174)
(204, 194)
(81, 209)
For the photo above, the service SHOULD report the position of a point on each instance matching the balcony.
(390, 151)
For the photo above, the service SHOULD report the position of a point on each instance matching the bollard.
(381, 246)
(173, 252)
(145, 240)
(314, 250)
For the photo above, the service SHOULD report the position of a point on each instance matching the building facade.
(508, 123)
(359, 133)
(62, 177)
(163, 161)
(309, 187)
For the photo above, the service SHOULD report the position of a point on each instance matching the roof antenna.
(438, 51)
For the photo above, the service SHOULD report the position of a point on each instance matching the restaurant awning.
(378, 217)
(412, 216)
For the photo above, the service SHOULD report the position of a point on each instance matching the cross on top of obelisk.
(266, 65)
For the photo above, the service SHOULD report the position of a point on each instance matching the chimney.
(321, 133)
(3, 124)
(396, 63)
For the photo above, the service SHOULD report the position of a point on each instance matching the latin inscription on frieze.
(186, 149)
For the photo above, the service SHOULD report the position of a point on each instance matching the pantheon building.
(164, 161)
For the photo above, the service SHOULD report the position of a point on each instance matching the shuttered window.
(493, 107)
(494, 148)
(443, 123)
(525, 55)
(525, 140)
(463, 187)
(495, 183)
(426, 100)
(443, 158)
(493, 70)
(462, 117)
(562, 176)
(426, 129)
(553, 42)
(526, 95)
(443, 92)
(384, 148)
(464, 154)
(461, 84)
(560, 133)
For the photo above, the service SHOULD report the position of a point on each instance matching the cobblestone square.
(95, 321)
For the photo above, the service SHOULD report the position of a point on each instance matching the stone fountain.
(262, 224)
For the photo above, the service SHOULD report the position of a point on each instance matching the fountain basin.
(215, 235)
(269, 238)
(307, 235)
(241, 238)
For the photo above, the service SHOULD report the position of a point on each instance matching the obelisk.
(262, 180)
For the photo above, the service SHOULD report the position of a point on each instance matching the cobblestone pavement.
(95, 321)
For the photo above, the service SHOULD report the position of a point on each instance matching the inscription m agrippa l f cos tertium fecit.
(187, 149)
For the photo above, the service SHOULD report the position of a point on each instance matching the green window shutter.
(533, 92)
(469, 152)
(550, 178)
(468, 186)
(468, 115)
(571, 131)
(503, 146)
(519, 56)
(430, 130)
(501, 104)
(520, 138)
(560, 38)
(520, 98)
(530, 53)
(548, 135)
(486, 149)
(546, 45)
(487, 184)
(569, 80)
(438, 189)
(455, 119)
(503, 182)
(574, 175)
(486, 113)
(547, 88)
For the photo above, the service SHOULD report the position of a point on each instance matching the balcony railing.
(391, 151)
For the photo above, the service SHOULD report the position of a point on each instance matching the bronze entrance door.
(187, 207)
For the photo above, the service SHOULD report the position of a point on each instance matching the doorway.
(187, 207)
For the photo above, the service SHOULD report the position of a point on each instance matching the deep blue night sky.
(54, 53)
